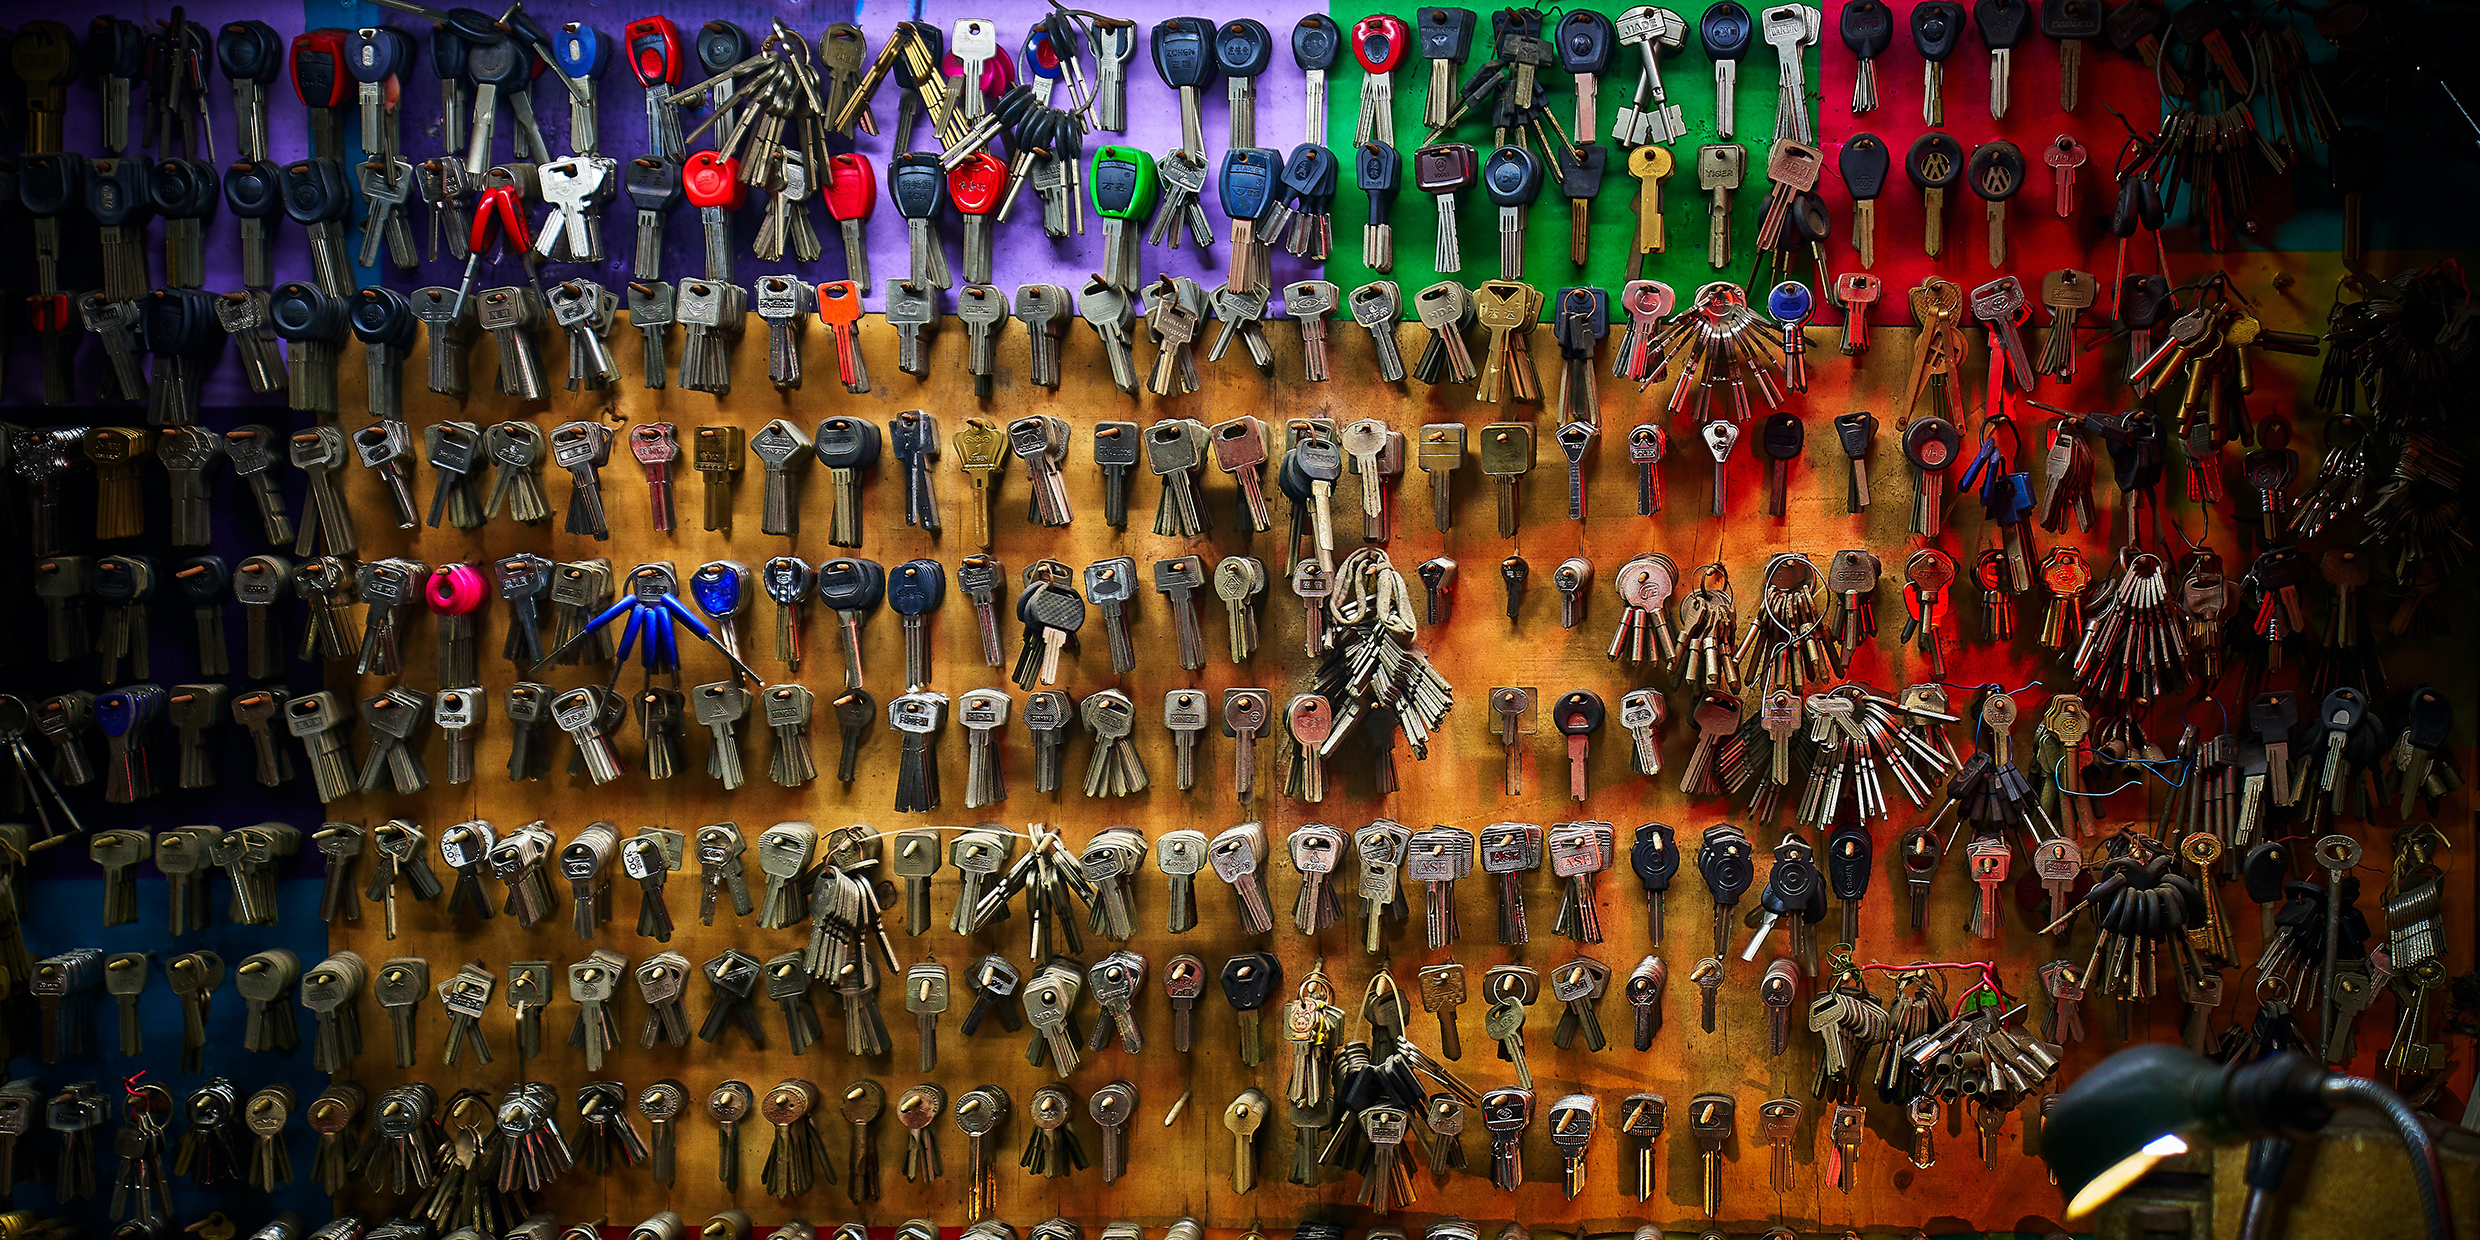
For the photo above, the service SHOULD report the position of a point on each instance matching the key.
(1720, 168)
(2064, 155)
(1650, 165)
(1184, 58)
(1863, 164)
(783, 450)
(1711, 1123)
(1934, 163)
(1243, 1117)
(1378, 307)
(1997, 172)
(2075, 24)
(1506, 451)
(1443, 171)
(1583, 41)
(1930, 444)
(846, 447)
(1512, 178)
(1577, 715)
(1236, 856)
(1246, 717)
(2003, 24)
(1726, 32)
(1938, 28)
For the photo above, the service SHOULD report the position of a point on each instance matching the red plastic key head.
(976, 184)
(1379, 41)
(319, 76)
(852, 186)
(499, 212)
(711, 180)
(654, 50)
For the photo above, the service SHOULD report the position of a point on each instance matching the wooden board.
(1458, 784)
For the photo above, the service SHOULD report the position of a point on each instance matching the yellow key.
(1649, 165)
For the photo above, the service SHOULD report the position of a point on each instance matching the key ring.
(1315, 988)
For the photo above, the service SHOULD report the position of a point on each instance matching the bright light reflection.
(2114, 1181)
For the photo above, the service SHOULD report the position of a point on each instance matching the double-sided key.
(1937, 30)
(1934, 163)
(1996, 171)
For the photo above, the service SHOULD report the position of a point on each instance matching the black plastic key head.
(253, 190)
(120, 193)
(1937, 26)
(1723, 861)
(2264, 870)
(2273, 715)
(1316, 42)
(1578, 712)
(1726, 30)
(1849, 859)
(1310, 173)
(848, 583)
(50, 183)
(1242, 48)
(1931, 443)
(115, 47)
(1251, 979)
(917, 184)
(916, 587)
(2341, 710)
(1934, 162)
(2428, 716)
(180, 322)
(721, 45)
(1997, 170)
(1654, 856)
(2141, 299)
(1444, 33)
(186, 188)
(653, 182)
(1867, 28)
(2002, 23)
(1182, 50)
(2072, 19)
(1511, 176)
(314, 191)
(1583, 40)
(1792, 881)
(847, 443)
(1785, 437)
(1863, 164)
(383, 316)
(249, 51)
(1580, 169)
(1378, 171)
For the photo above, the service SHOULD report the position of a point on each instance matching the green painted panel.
(1688, 79)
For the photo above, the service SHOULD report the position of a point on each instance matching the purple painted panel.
(289, 130)
(1024, 252)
